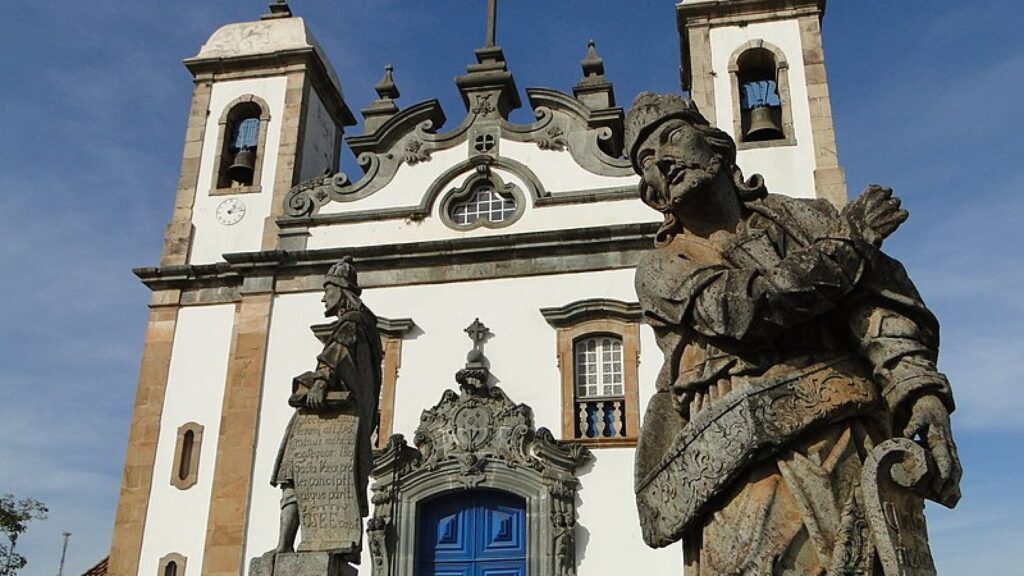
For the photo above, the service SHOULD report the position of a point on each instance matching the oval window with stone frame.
(484, 203)
(484, 200)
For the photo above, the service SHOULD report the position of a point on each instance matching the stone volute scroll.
(325, 456)
(477, 438)
(799, 421)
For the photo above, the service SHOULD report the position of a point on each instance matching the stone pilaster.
(136, 483)
(389, 381)
(702, 77)
(829, 179)
(178, 238)
(289, 151)
(236, 445)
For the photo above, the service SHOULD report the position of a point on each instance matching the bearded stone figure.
(799, 368)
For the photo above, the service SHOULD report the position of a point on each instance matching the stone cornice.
(257, 65)
(439, 261)
(391, 327)
(722, 12)
(589, 309)
(734, 12)
(441, 185)
(402, 123)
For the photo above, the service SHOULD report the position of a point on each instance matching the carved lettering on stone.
(323, 456)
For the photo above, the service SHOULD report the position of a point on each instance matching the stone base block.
(301, 564)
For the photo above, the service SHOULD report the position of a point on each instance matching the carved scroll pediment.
(476, 428)
(592, 137)
(471, 427)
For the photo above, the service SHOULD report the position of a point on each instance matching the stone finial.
(386, 89)
(384, 107)
(278, 9)
(594, 90)
(488, 89)
(492, 23)
(593, 65)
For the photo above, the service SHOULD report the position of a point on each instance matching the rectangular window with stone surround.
(598, 350)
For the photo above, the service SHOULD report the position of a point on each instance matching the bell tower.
(756, 69)
(267, 113)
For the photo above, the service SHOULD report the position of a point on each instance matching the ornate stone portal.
(477, 439)
(800, 370)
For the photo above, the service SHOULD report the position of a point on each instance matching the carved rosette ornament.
(414, 152)
(552, 139)
(478, 438)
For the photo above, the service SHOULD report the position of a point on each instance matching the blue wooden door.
(473, 533)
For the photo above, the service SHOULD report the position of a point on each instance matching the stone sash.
(722, 440)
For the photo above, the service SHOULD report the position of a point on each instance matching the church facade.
(524, 235)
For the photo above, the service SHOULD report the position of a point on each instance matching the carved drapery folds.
(478, 438)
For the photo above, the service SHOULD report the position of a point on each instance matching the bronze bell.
(763, 125)
(242, 168)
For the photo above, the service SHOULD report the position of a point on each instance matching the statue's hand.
(317, 395)
(929, 420)
(874, 215)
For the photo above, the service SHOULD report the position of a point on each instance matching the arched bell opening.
(760, 104)
(241, 146)
(762, 114)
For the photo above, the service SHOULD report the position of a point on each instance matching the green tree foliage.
(14, 518)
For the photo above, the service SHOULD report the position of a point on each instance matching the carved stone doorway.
(478, 442)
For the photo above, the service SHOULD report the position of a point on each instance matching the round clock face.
(230, 211)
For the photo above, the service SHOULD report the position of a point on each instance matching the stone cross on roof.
(473, 378)
(477, 333)
(492, 22)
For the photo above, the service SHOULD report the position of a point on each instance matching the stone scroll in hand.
(895, 480)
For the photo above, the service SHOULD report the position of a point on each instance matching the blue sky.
(926, 98)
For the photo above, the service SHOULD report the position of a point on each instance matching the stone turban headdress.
(649, 110)
(343, 275)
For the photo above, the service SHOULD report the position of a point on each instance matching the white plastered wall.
(786, 169)
(558, 170)
(406, 188)
(318, 142)
(211, 238)
(523, 359)
(176, 519)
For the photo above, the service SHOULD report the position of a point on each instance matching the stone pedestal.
(301, 564)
